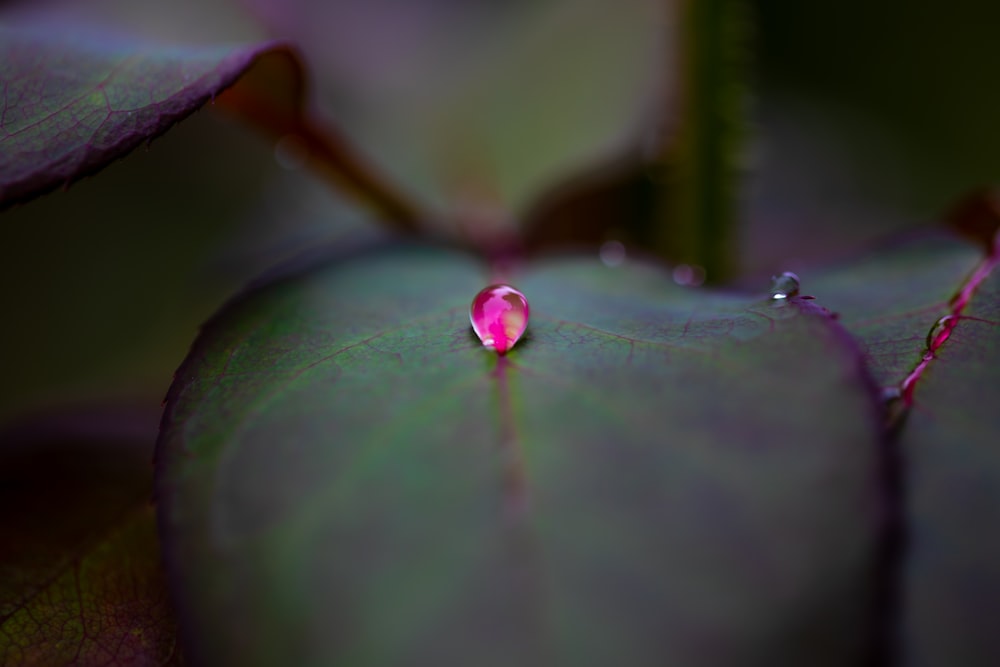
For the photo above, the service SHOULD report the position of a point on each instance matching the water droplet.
(784, 286)
(290, 152)
(689, 275)
(499, 315)
(940, 331)
(895, 406)
(891, 393)
(612, 253)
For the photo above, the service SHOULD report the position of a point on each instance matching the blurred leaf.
(480, 106)
(80, 575)
(347, 476)
(76, 101)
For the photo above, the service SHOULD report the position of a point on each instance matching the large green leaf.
(652, 476)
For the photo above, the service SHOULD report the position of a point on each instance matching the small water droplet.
(937, 334)
(784, 286)
(290, 152)
(895, 406)
(689, 275)
(612, 253)
(499, 315)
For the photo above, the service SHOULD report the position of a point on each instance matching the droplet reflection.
(784, 286)
(499, 316)
(940, 332)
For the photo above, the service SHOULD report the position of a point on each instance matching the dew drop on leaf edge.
(499, 316)
(612, 254)
(688, 275)
(940, 331)
(784, 286)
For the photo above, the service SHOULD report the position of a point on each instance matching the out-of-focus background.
(866, 119)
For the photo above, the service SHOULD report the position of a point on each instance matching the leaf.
(347, 477)
(947, 462)
(80, 575)
(480, 107)
(890, 298)
(75, 101)
(950, 445)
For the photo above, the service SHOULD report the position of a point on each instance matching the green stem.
(695, 202)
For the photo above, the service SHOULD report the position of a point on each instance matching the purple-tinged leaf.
(71, 102)
(80, 576)
(951, 446)
(890, 299)
(651, 476)
(927, 314)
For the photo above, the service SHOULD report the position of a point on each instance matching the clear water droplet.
(499, 316)
(689, 275)
(784, 286)
(612, 253)
(940, 331)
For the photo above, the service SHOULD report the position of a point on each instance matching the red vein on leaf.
(957, 304)
(514, 479)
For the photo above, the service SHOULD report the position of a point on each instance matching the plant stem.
(695, 196)
(272, 95)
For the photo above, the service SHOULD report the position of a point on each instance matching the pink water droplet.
(499, 315)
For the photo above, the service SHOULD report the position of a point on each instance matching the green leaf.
(652, 476)
(80, 575)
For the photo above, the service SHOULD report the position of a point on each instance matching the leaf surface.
(889, 299)
(80, 575)
(926, 313)
(346, 476)
(951, 445)
(74, 101)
